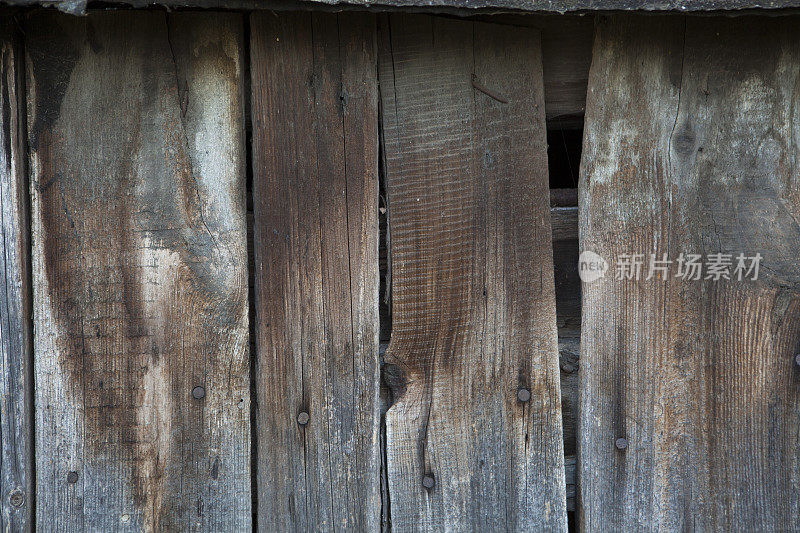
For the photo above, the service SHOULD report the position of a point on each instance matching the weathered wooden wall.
(127, 133)
(132, 151)
(139, 265)
(133, 148)
(473, 434)
(135, 156)
(691, 147)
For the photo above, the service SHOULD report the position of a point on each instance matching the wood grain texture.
(472, 275)
(139, 265)
(16, 355)
(691, 147)
(315, 188)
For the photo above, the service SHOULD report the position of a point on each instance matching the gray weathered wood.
(454, 6)
(472, 273)
(691, 147)
(315, 188)
(16, 378)
(140, 271)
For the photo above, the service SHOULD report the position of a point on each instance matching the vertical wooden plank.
(474, 430)
(140, 277)
(16, 385)
(691, 147)
(316, 237)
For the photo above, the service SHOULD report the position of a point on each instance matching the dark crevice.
(564, 147)
(384, 312)
(564, 156)
(246, 94)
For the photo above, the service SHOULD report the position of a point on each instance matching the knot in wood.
(395, 379)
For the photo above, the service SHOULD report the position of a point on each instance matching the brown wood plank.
(16, 360)
(474, 326)
(315, 194)
(690, 147)
(140, 271)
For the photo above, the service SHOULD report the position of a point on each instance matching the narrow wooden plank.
(16, 385)
(315, 189)
(690, 148)
(140, 271)
(474, 325)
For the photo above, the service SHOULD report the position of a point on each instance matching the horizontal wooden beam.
(565, 223)
(433, 6)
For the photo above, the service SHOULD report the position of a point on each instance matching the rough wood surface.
(690, 147)
(16, 378)
(566, 56)
(451, 6)
(315, 187)
(139, 265)
(473, 303)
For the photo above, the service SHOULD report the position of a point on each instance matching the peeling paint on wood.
(16, 378)
(691, 147)
(315, 188)
(140, 271)
(474, 437)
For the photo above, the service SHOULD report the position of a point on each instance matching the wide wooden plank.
(474, 429)
(315, 188)
(140, 272)
(16, 378)
(690, 148)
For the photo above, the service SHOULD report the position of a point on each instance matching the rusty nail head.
(303, 418)
(72, 477)
(621, 443)
(198, 393)
(16, 498)
(797, 359)
(428, 482)
(523, 395)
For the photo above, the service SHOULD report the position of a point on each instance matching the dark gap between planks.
(248, 124)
